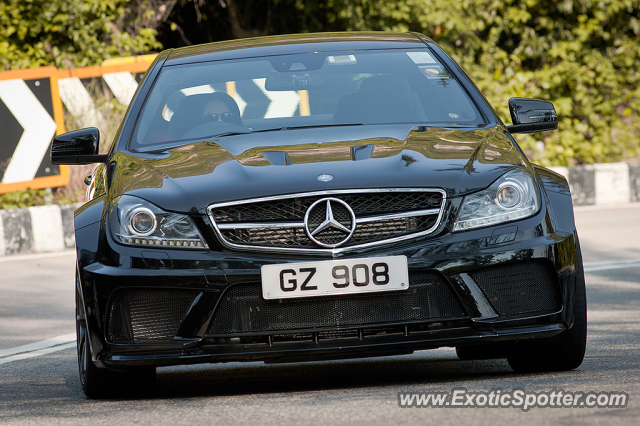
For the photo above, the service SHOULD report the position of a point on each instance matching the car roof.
(294, 43)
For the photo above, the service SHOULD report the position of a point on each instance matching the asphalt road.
(36, 303)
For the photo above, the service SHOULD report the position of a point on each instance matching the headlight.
(137, 222)
(513, 196)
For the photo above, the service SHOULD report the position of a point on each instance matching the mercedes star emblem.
(329, 222)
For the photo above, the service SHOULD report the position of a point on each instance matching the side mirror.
(79, 147)
(530, 116)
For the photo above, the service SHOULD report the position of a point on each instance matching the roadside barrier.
(31, 113)
(37, 229)
(597, 184)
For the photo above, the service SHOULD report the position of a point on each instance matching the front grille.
(242, 309)
(147, 315)
(529, 287)
(380, 216)
(297, 237)
(294, 209)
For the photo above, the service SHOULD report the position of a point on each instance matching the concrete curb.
(38, 229)
(50, 228)
(598, 184)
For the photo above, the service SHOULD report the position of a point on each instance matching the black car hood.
(192, 176)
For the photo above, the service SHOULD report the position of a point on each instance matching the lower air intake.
(147, 316)
(243, 310)
(529, 287)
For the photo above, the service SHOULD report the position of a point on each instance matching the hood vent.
(361, 152)
(277, 158)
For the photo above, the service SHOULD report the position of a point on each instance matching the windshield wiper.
(219, 135)
(275, 129)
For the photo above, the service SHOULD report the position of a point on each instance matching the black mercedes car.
(319, 196)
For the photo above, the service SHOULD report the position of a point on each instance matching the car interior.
(267, 95)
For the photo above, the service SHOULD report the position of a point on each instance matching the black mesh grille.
(274, 237)
(141, 315)
(297, 237)
(294, 209)
(385, 229)
(521, 288)
(243, 310)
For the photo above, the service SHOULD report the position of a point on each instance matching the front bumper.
(369, 346)
(208, 276)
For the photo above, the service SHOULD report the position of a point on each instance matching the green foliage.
(583, 55)
(68, 33)
(25, 198)
(67, 196)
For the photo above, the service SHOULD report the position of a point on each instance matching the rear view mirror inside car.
(301, 62)
(294, 81)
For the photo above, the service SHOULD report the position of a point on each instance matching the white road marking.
(68, 341)
(36, 349)
(611, 264)
(38, 127)
(18, 257)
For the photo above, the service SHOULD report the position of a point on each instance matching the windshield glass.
(222, 98)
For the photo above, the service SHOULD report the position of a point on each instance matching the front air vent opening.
(527, 287)
(137, 316)
(242, 310)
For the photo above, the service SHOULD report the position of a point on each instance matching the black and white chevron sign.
(31, 111)
(79, 95)
(27, 125)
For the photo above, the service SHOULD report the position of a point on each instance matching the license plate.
(332, 277)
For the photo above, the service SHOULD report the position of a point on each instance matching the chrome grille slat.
(261, 225)
(301, 224)
(277, 223)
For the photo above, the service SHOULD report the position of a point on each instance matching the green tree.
(68, 33)
(583, 55)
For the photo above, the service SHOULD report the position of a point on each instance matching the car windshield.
(288, 92)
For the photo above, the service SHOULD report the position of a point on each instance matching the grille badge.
(325, 177)
(330, 222)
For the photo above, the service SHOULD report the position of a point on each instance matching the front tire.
(100, 382)
(561, 354)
